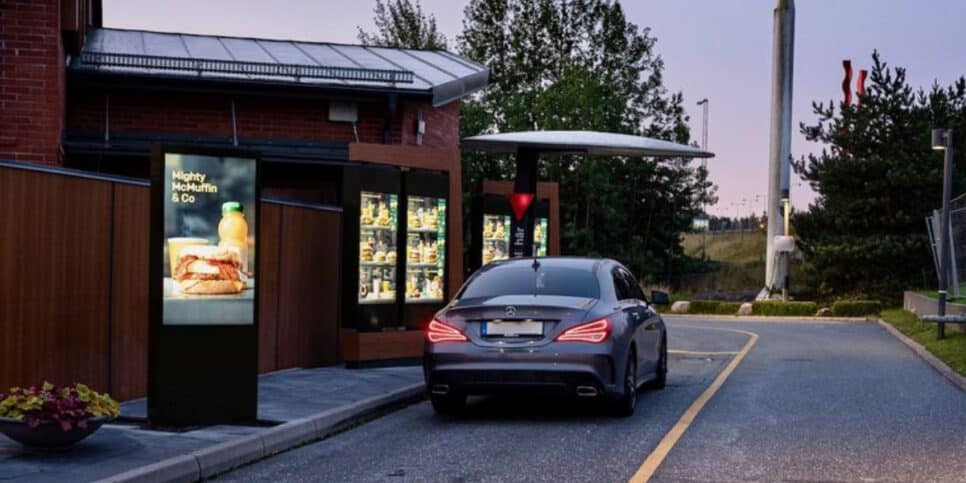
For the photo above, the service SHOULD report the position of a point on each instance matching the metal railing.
(201, 66)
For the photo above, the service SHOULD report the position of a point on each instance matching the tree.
(581, 64)
(877, 180)
(401, 23)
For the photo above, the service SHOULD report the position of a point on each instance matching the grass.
(951, 350)
(727, 247)
(934, 294)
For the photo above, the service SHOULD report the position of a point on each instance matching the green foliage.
(401, 23)
(856, 308)
(877, 180)
(779, 308)
(581, 65)
(951, 349)
(714, 307)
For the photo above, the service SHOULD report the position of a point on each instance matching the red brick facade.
(31, 81)
(36, 104)
(256, 117)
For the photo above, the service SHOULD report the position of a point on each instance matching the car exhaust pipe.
(586, 391)
(441, 389)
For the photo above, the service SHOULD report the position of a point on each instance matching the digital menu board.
(425, 249)
(210, 222)
(378, 250)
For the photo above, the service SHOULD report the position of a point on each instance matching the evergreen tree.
(402, 23)
(582, 65)
(877, 181)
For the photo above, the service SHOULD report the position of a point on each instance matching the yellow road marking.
(654, 460)
(702, 353)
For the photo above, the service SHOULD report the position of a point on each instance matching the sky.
(715, 49)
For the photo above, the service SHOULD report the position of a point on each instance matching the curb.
(769, 318)
(937, 364)
(213, 460)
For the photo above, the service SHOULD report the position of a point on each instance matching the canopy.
(589, 142)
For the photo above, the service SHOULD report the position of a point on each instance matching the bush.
(856, 308)
(68, 406)
(714, 307)
(779, 308)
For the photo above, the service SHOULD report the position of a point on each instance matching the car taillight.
(593, 332)
(442, 332)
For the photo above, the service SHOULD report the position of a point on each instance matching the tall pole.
(704, 162)
(779, 152)
(943, 237)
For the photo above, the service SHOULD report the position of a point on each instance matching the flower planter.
(48, 436)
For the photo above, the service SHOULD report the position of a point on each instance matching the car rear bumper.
(474, 370)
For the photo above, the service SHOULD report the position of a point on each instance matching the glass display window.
(540, 236)
(425, 249)
(378, 250)
(496, 238)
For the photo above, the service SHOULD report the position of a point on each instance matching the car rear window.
(524, 280)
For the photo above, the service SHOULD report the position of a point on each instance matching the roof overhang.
(442, 76)
(582, 142)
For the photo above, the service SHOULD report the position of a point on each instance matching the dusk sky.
(719, 49)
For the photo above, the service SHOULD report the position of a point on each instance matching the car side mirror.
(659, 298)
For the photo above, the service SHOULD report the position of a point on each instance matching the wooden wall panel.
(54, 270)
(129, 292)
(309, 287)
(269, 233)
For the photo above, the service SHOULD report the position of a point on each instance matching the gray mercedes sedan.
(561, 325)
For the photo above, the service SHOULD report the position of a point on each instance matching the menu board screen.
(378, 249)
(209, 240)
(496, 238)
(540, 237)
(425, 248)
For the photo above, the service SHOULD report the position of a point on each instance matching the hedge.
(714, 307)
(777, 307)
(856, 308)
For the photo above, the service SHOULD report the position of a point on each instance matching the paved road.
(810, 401)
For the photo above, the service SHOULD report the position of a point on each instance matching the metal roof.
(436, 73)
(589, 142)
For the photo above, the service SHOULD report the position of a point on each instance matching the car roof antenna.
(536, 264)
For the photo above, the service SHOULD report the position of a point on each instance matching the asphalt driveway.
(809, 402)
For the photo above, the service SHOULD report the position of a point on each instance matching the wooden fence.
(74, 281)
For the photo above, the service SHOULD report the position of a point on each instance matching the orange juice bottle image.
(233, 230)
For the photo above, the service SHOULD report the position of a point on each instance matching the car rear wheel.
(448, 404)
(660, 376)
(625, 406)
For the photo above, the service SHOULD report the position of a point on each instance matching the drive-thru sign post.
(530, 144)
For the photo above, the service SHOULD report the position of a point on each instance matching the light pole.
(704, 128)
(942, 140)
(704, 163)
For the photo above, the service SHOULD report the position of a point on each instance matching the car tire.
(448, 404)
(660, 376)
(624, 406)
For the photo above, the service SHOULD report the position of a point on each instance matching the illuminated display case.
(394, 247)
(426, 261)
(378, 247)
(496, 238)
(540, 236)
(425, 249)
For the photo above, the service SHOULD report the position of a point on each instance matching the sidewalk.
(306, 403)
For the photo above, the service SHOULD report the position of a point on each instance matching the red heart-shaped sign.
(520, 202)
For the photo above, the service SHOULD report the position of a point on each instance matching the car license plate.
(512, 329)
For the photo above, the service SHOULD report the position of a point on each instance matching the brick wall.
(256, 117)
(442, 124)
(31, 81)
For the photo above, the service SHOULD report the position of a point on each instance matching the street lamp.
(942, 140)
